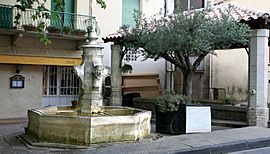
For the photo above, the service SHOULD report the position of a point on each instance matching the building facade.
(33, 75)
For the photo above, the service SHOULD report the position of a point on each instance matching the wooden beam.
(35, 60)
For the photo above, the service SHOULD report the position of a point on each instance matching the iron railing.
(64, 19)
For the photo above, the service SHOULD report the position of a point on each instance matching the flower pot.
(171, 122)
(75, 103)
(52, 29)
(29, 27)
(189, 119)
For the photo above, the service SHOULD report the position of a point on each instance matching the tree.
(178, 37)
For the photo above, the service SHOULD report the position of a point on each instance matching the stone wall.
(15, 102)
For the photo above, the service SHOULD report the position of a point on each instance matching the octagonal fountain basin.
(65, 125)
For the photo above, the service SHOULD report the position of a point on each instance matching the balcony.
(66, 24)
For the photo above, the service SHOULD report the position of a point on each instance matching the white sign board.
(198, 119)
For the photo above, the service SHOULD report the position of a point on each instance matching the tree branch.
(180, 57)
(171, 60)
(188, 64)
(198, 60)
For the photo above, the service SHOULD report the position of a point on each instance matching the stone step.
(229, 123)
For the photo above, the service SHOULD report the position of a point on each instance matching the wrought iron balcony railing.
(65, 21)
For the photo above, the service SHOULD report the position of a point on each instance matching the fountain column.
(92, 99)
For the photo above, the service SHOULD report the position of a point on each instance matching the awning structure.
(34, 56)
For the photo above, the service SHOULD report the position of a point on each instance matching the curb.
(226, 147)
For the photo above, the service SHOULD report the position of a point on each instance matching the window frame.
(188, 4)
(58, 71)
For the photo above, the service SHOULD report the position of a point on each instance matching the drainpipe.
(90, 8)
(165, 8)
(165, 13)
(210, 75)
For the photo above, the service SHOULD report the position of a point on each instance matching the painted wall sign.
(17, 81)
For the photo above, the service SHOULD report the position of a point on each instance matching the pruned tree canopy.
(178, 37)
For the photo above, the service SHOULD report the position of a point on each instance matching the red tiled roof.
(114, 36)
(236, 11)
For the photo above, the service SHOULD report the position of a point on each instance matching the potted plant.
(53, 29)
(178, 114)
(66, 30)
(29, 27)
(79, 32)
(75, 103)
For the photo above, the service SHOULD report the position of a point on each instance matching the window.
(60, 81)
(189, 4)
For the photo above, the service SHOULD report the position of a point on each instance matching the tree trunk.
(187, 83)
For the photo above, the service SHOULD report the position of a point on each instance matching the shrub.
(170, 102)
(231, 100)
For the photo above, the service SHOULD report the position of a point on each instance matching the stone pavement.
(219, 141)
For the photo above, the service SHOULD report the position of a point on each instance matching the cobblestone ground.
(9, 143)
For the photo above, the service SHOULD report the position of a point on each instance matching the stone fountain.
(91, 122)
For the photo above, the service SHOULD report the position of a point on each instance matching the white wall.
(230, 71)
(15, 102)
(109, 19)
(230, 67)
(152, 7)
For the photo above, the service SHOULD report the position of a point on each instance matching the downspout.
(247, 50)
(210, 75)
(90, 8)
(165, 8)
(165, 13)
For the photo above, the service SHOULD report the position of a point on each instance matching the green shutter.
(6, 17)
(54, 21)
(128, 7)
(69, 9)
(64, 19)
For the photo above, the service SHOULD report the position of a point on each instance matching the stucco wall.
(151, 7)
(230, 67)
(109, 19)
(230, 71)
(15, 102)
